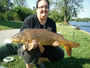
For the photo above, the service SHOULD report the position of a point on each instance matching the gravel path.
(6, 34)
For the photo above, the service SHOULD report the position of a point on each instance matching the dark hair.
(41, 0)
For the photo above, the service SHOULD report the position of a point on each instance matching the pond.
(83, 25)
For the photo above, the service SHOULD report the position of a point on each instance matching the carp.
(44, 37)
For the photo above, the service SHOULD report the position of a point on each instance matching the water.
(83, 25)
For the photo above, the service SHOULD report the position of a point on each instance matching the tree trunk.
(65, 13)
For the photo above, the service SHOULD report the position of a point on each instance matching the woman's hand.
(34, 44)
(56, 43)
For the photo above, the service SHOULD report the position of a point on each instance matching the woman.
(40, 21)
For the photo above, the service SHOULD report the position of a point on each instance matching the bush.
(11, 15)
(1, 16)
(56, 16)
(18, 13)
(23, 12)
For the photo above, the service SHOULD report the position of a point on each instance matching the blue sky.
(86, 10)
(82, 14)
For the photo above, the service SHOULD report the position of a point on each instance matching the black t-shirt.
(33, 23)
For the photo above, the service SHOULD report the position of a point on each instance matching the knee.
(57, 58)
(29, 65)
(62, 56)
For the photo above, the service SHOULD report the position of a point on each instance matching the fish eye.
(17, 36)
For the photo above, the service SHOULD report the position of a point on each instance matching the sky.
(82, 14)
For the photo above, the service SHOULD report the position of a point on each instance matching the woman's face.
(43, 9)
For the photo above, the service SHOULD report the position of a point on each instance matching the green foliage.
(4, 25)
(19, 2)
(14, 11)
(11, 15)
(56, 16)
(2, 9)
(1, 16)
(69, 8)
(81, 19)
(23, 12)
(5, 4)
(18, 13)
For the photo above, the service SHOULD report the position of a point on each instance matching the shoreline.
(81, 25)
(81, 30)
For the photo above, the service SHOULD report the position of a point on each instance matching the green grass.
(80, 56)
(9, 25)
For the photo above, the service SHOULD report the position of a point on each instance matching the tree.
(5, 4)
(23, 12)
(19, 2)
(69, 8)
(58, 17)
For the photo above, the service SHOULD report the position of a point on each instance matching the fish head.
(18, 38)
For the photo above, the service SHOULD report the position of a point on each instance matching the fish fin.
(41, 48)
(68, 50)
(72, 44)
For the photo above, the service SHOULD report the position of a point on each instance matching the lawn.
(10, 25)
(80, 56)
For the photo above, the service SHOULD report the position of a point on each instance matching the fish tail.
(68, 45)
(73, 44)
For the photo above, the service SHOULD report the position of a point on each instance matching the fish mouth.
(17, 41)
(14, 40)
